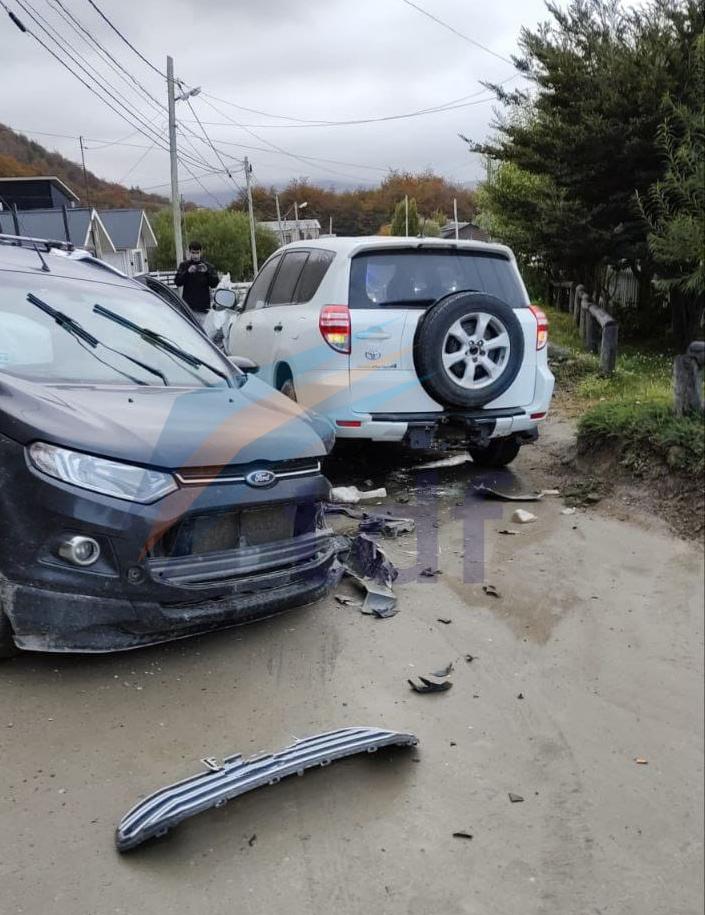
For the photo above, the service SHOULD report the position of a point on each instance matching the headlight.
(100, 475)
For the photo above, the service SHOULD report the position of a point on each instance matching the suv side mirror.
(244, 364)
(224, 299)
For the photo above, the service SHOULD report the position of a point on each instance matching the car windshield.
(418, 277)
(34, 345)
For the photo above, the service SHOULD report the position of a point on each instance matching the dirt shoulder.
(653, 496)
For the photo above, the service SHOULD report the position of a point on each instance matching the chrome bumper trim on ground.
(221, 782)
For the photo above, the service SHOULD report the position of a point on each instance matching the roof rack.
(24, 241)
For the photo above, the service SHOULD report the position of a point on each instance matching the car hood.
(168, 428)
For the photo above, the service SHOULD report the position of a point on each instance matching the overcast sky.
(326, 60)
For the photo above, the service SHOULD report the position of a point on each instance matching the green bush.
(224, 234)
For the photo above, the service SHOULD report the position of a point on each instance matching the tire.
(288, 390)
(7, 644)
(497, 453)
(468, 349)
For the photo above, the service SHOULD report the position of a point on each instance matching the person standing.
(197, 277)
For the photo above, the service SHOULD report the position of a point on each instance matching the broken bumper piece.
(158, 813)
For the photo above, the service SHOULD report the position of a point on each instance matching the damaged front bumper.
(192, 595)
(221, 782)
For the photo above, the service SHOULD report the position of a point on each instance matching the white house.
(133, 238)
(293, 230)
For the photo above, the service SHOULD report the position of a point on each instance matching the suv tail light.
(334, 325)
(541, 326)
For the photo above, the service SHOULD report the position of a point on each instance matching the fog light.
(81, 551)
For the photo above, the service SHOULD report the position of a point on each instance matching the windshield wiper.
(73, 327)
(156, 339)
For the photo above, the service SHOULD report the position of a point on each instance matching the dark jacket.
(197, 285)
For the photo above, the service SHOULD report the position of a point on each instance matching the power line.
(127, 42)
(455, 31)
(115, 65)
(137, 120)
(112, 62)
(452, 105)
(210, 143)
(132, 118)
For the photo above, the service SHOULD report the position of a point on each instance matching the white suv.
(402, 339)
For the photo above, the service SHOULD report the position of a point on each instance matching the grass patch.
(644, 431)
(632, 409)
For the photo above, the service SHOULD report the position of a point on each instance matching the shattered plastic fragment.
(461, 834)
(491, 591)
(389, 527)
(508, 532)
(490, 493)
(567, 511)
(443, 673)
(454, 460)
(515, 798)
(444, 619)
(370, 569)
(351, 494)
(430, 572)
(428, 686)
(523, 517)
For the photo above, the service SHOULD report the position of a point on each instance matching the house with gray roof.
(133, 238)
(81, 226)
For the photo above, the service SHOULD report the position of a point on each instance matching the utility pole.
(175, 198)
(455, 217)
(279, 219)
(406, 213)
(253, 238)
(296, 220)
(330, 225)
(85, 191)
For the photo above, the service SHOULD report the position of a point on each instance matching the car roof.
(26, 260)
(350, 245)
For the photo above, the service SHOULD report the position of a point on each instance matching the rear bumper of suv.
(486, 422)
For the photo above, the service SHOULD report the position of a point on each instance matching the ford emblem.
(261, 478)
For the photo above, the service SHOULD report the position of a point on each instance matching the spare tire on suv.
(468, 349)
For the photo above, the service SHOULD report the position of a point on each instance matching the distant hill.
(21, 156)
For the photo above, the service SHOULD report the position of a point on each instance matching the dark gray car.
(148, 488)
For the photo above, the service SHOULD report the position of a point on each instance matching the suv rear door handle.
(278, 327)
(372, 335)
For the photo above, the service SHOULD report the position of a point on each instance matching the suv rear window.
(417, 278)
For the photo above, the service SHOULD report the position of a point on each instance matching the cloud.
(326, 59)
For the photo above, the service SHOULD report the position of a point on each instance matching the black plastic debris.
(251, 841)
(388, 527)
(520, 696)
(491, 591)
(430, 572)
(515, 798)
(338, 508)
(507, 532)
(488, 493)
(347, 601)
(429, 686)
(370, 569)
(462, 834)
(470, 658)
(444, 619)
(445, 672)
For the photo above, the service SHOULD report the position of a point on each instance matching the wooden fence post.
(575, 304)
(687, 380)
(584, 318)
(592, 333)
(608, 348)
